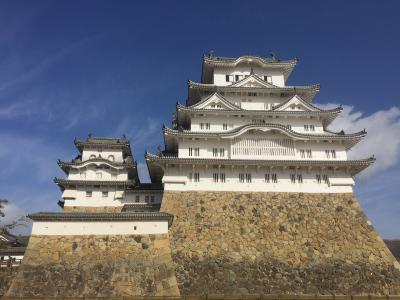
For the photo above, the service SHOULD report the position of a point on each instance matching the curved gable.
(253, 81)
(215, 101)
(296, 104)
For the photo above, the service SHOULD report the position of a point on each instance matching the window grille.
(146, 199)
(196, 151)
(215, 177)
(215, 152)
(207, 126)
(333, 153)
(196, 177)
(305, 127)
(262, 147)
(292, 178)
(248, 177)
(137, 198)
(309, 153)
(222, 177)
(318, 177)
(299, 178)
(266, 178)
(241, 177)
(88, 194)
(152, 199)
(104, 194)
(302, 153)
(251, 94)
(274, 178)
(312, 128)
(328, 154)
(201, 126)
(221, 152)
(190, 151)
(325, 178)
(225, 126)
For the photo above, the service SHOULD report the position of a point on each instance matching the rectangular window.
(196, 177)
(305, 127)
(207, 126)
(251, 94)
(190, 151)
(146, 199)
(292, 178)
(224, 126)
(328, 154)
(241, 177)
(196, 151)
(151, 199)
(309, 153)
(227, 78)
(274, 178)
(299, 178)
(201, 126)
(137, 198)
(215, 152)
(221, 152)
(325, 178)
(248, 177)
(104, 194)
(215, 177)
(88, 194)
(268, 79)
(312, 128)
(266, 178)
(289, 127)
(222, 177)
(302, 153)
(333, 153)
(318, 177)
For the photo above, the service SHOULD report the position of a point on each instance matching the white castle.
(244, 129)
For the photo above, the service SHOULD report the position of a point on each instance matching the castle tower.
(103, 177)
(261, 189)
(109, 241)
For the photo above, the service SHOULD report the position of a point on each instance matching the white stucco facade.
(99, 228)
(236, 140)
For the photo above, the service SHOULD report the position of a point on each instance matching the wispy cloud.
(382, 140)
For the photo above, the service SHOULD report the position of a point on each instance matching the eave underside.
(157, 164)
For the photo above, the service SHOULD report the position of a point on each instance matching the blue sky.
(70, 68)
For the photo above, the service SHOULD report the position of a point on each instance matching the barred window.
(299, 178)
(146, 199)
(292, 178)
(325, 178)
(137, 198)
(215, 177)
(268, 79)
(215, 152)
(248, 177)
(88, 194)
(221, 152)
(241, 177)
(309, 153)
(318, 177)
(222, 177)
(289, 127)
(312, 127)
(266, 178)
(196, 177)
(104, 194)
(302, 153)
(333, 153)
(328, 154)
(207, 126)
(151, 198)
(202, 126)
(274, 178)
(225, 126)
(196, 151)
(305, 127)
(190, 151)
(251, 94)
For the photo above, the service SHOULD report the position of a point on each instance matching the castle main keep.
(252, 193)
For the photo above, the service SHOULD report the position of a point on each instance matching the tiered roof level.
(244, 129)
(104, 175)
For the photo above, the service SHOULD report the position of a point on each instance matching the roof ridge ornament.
(273, 56)
(251, 71)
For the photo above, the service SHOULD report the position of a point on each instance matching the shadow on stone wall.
(227, 242)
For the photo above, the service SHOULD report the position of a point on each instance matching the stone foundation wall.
(96, 266)
(92, 209)
(237, 242)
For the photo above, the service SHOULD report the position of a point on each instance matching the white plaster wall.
(86, 153)
(99, 228)
(217, 121)
(206, 149)
(91, 172)
(220, 74)
(258, 184)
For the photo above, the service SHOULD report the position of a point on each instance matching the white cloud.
(382, 140)
(12, 214)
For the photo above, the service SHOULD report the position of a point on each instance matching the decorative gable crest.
(296, 104)
(253, 81)
(215, 101)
